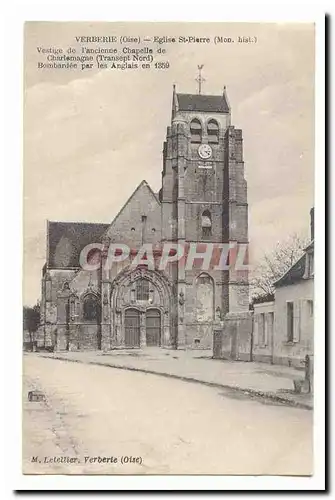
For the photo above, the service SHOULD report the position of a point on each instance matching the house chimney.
(312, 223)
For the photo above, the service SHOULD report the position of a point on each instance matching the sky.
(90, 137)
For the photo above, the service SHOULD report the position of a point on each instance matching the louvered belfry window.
(213, 132)
(196, 131)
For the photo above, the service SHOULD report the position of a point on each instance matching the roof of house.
(310, 247)
(67, 239)
(263, 299)
(204, 103)
(294, 274)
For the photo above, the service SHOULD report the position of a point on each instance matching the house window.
(270, 325)
(196, 131)
(268, 328)
(310, 304)
(90, 308)
(206, 224)
(290, 321)
(142, 289)
(261, 329)
(213, 132)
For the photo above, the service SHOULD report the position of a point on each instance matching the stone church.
(203, 199)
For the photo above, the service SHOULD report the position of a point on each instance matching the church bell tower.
(204, 200)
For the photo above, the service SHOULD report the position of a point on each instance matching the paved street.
(162, 425)
(274, 381)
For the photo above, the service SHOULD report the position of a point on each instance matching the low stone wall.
(262, 358)
(236, 337)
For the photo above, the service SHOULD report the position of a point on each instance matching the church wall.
(62, 326)
(83, 279)
(192, 310)
(239, 223)
(193, 222)
(52, 282)
(204, 306)
(129, 229)
(168, 221)
(204, 184)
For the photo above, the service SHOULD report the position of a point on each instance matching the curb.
(252, 393)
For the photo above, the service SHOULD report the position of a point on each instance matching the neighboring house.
(294, 312)
(263, 334)
(284, 329)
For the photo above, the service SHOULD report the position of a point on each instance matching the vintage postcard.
(168, 248)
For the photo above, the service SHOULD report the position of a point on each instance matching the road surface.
(103, 420)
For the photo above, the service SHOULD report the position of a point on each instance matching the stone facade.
(201, 201)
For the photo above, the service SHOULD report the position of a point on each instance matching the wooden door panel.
(153, 327)
(132, 328)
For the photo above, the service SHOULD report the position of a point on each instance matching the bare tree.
(275, 264)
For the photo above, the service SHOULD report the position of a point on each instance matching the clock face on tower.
(205, 151)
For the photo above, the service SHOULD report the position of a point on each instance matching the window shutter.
(266, 328)
(261, 329)
(271, 327)
(296, 320)
(256, 329)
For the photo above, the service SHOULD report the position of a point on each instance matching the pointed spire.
(226, 97)
(174, 101)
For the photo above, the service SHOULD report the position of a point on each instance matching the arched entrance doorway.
(153, 327)
(132, 328)
(141, 305)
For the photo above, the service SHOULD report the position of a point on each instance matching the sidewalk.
(273, 382)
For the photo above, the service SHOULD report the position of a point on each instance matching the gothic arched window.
(204, 298)
(196, 131)
(91, 308)
(142, 289)
(213, 132)
(206, 224)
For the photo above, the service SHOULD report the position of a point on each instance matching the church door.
(153, 327)
(132, 328)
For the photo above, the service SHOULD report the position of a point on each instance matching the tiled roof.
(205, 103)
(310, 247)
(67, 239)
(294, 274)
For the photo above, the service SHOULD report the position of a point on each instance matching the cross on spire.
(200, 79)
